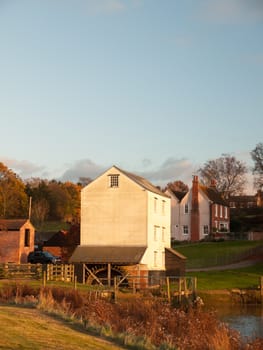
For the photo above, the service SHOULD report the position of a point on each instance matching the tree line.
(56, 200)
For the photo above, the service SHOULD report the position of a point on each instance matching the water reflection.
(247, 319)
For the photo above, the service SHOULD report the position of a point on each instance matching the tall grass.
(137, 323)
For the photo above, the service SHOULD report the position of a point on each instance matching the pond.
(247, 319)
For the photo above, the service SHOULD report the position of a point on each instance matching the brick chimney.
(195, 216)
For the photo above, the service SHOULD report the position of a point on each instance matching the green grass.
(214, 253)
(228, 279)
(28, 329)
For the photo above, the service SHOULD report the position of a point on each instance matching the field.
(216, 253)
(27, 328)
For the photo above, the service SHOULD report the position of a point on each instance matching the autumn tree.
(37, 189)
(257, 157)
(228, 172)
(13, 199)
(177, 186)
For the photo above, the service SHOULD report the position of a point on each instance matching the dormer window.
(114, 180)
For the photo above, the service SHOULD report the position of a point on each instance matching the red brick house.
(197, 213)
(16, 240)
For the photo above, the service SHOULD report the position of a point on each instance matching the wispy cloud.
(83, 168)
(170, 170)
(24, 168)
(226, 11)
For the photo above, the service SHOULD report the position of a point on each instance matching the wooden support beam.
(93, 275)
(122, 279)
(109, 274)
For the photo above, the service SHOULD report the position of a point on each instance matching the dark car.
(39, 257)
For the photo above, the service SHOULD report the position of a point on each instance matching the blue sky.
(156, 87)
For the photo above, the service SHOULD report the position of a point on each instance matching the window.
(163, 207)
(206, 230)
(155, 256)
(27, 237)
(185, 230)
(114, 180)
(225, 212)
(221, 211)
(186, 208)
(216, 212)
(155, 204)
(155, 233)
(163, 234)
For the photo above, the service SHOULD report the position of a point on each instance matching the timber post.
(261, 289)
(168, 289)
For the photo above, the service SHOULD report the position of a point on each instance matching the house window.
(221, 211)
(206, 230)
(155, 204)
(114, 180)
(163, 234)
(216, 225)
(163, 207)
(216, 210)
(155, 232)
(186, 208)
(225, 212)
(27, 237)
(185, 230)
(155, 257)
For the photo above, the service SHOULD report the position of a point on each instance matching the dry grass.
(139, 323)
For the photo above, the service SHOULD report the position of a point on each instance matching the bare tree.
(228, 172)
(257, 157)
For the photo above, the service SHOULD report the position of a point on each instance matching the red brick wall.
(9, 243)
(12, 245)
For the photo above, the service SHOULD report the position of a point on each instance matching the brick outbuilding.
(16, 240)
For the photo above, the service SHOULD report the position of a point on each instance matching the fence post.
(261, 289)
(75, 282)
(168, 289)
(44, 278)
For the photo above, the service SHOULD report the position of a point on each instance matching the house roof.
(143, 182)
(242, 198)
(178, 194)
(12, 224)
(106, 254)
(59, 239)
(213, 195)
(175, 252)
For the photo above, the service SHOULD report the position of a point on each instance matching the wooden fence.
(60, 272)
(20, 271)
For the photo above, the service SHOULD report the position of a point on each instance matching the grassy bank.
(24, 328)
(247, 277)
(207, 254)
(137, 323)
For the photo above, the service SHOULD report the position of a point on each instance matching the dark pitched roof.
(213, 195)
(58, 239)
(178, 194)
(175, 252)
(143, 182)
(243, 198)
(106, 254)
(12, 224)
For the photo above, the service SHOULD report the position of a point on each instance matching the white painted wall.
(127, 215)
